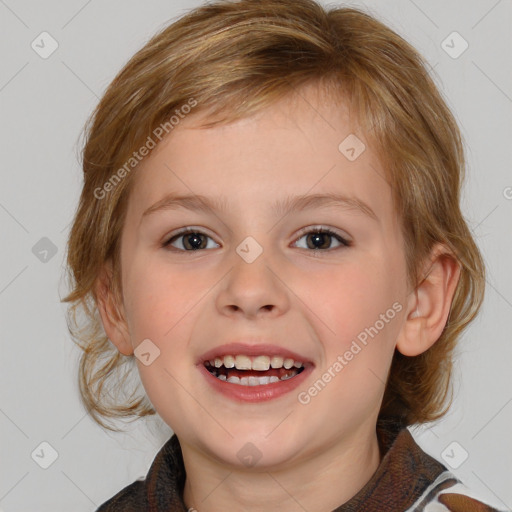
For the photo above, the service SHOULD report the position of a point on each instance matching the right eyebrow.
(189, 202)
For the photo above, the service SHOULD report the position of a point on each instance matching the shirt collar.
(405, 471)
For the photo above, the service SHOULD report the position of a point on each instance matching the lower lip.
(260, 393)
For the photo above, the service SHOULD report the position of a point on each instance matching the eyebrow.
(279, 208)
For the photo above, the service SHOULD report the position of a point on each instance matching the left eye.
(321, 238)
(318, 238)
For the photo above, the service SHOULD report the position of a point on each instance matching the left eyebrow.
(279, 208)
(291, 203)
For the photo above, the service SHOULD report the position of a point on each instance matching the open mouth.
(253, 371)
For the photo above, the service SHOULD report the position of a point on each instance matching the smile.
(253, 371)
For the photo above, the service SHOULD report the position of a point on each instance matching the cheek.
(159, 298)
(363, 313)
(162, 307)
(351, 297)
(361, 309)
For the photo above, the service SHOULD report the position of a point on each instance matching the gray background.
(44, 104)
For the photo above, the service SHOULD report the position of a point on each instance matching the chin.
(253, 449)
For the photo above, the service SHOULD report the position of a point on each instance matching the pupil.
(194, 241)
(319, 237)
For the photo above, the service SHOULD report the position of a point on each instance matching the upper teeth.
(261, 363)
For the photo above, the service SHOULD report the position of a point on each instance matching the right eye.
(192, 240)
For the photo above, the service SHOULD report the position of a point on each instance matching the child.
(269, 229)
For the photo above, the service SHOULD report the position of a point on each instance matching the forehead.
(305, 143)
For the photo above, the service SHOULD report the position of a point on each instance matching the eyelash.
(305, 231)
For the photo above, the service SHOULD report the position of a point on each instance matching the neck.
(320, 483)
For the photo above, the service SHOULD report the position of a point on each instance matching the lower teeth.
(256, 381)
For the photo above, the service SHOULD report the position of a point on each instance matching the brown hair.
(233, 59)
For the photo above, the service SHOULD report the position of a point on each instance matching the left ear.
(429, 304)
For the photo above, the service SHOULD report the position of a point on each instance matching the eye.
(321, 238)
(193, 240)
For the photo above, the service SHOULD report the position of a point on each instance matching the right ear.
(111, 312)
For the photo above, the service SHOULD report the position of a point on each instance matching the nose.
(253, 289)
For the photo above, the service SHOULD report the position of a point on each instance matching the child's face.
(312, 302)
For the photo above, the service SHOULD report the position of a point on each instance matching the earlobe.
(429, 304)
(111, 312)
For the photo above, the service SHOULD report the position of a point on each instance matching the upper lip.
(260, 349)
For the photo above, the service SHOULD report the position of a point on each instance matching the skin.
(314, 456)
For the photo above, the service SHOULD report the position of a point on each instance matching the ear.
(429, 304)
(111, 310)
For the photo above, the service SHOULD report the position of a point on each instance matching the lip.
(254, 394)
(260, 393)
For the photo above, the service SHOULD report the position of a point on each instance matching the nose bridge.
(252, 285)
